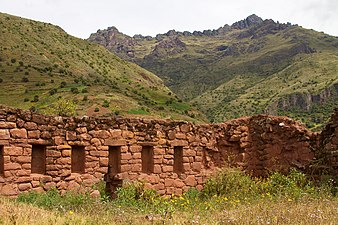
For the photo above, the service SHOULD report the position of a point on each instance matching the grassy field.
(230, 198)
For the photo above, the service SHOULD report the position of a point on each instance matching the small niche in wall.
(114, 159)
(38, 159)
(2, 160)
(78, 159)
(147, 156)
(178, 159)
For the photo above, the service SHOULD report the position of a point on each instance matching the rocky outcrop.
(250, 21)
(115, 41)
(305, 101)
(167, 47)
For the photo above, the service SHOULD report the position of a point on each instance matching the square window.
(147, 157)
(78, 159)
(38, 159)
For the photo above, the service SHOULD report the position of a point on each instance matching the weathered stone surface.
(18, 133)
(9, 190)
(190, 181)
(253, 143)
(34, 134)
(7, 125)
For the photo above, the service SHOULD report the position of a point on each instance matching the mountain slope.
(252, 66)
(40, 63)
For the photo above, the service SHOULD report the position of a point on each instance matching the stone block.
(190, 181)
(125, 168)
(103, 162)
(169, 182)
(23, 159)
(12, 166)
(71, 136)
(53, 153)
(84, 137)
(178, 183)
(128, 134)
(24, 187)
(18, 133)
(62, 147)
(180, 136)
(136, 168)
(167, 169)
(185, 128)
(96, 142)
(66, 153)
(35, 134)
(196, 166)
(126, 156)
(24, 180)
(9, 190)
(159, 186)
(81, 130)
(13, 151)
(157, 169)
(116, 134)
(4, 134)
(7, 125)
(137, 155)
(113, 142)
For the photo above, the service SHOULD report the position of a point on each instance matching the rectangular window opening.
(178, 159)
(147, 157)
(78, 159)
(114, 159)
(2, 161)
(38, 159)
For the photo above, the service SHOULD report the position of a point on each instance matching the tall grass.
(232, 197)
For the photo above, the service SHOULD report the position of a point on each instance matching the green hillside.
(42, 67)
(253, 66)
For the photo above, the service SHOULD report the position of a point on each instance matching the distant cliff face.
(252, 66)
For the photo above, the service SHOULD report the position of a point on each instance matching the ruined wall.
(327, 151)
(38, 152)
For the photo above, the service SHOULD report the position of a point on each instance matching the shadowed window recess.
(38, 159)
(78, 159)
(147, 156)
(178, 159)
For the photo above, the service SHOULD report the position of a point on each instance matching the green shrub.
(231, 182)
(74, 90)
(62, 107)
(52, 199)
(105, 104)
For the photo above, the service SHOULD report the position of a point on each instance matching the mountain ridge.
(239, 65)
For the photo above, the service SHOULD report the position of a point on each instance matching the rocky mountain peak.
(250, 21)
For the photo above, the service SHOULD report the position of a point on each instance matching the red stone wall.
(327, 152)
(258, 144)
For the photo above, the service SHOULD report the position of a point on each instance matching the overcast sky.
(80, 18)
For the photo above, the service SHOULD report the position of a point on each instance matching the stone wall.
(39, 152)
(327, 151)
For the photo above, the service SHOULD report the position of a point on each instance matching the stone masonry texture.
(39, 152)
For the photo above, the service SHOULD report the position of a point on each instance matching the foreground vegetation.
(230, 198)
